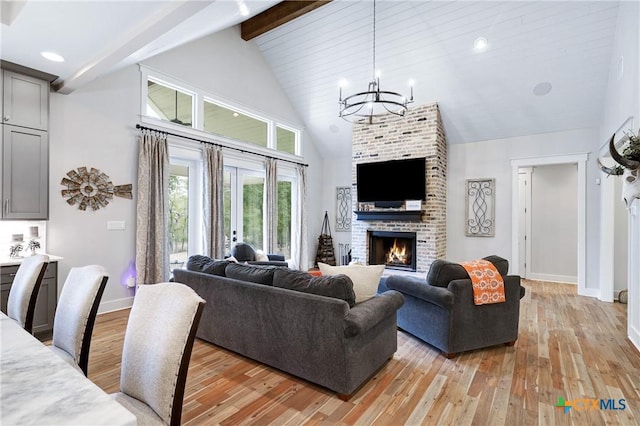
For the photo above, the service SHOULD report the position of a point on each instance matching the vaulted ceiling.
(489, 94)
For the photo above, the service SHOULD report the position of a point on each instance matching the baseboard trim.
(115, 305)
(565, 279)
(634, 336)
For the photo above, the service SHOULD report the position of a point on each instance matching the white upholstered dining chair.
(157, 349)
(76, 314)
(23, 294)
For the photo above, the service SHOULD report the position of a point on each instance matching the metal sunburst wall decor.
(91, 188)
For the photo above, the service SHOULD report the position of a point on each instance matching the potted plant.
(33, 245)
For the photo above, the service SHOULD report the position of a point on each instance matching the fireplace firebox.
(395, 250)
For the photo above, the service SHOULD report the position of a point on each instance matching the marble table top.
(39, 388)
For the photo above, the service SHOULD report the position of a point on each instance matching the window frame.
(199, 96)
(193, 160)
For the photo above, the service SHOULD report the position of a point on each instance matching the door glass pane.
(226, 201)
(178, 215)
(252, 211)
(285, 140)
(233, 124)
(284, 219)
(169, 104)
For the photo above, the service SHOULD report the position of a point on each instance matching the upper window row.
(168, 103)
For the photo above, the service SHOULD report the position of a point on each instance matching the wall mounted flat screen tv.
(391, 181)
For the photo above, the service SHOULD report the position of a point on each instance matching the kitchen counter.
(12, 261)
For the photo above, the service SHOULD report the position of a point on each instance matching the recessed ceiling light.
(480, 43)
(542, 89)
(235, 114)
(52, 56)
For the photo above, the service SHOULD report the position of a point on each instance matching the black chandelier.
(374, 105)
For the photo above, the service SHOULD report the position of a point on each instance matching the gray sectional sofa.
(329, 341)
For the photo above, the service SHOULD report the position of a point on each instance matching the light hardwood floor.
(569, 346)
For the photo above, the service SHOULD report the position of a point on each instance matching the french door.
(243, 207)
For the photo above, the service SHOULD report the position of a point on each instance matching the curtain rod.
(140, 127)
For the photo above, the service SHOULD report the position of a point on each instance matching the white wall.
(621, 239)
(95, 127)
(492, 159)
(621, 112)
(337, 172)
(554, 214)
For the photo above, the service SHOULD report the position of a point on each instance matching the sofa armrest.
(279, 257)
(367, 314)
(418, 288)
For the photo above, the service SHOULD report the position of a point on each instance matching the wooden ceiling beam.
(277, 15)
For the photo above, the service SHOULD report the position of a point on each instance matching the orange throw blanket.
(488, 286)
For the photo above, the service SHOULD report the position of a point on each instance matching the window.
(178, 215)
(285, 211)
(234, 124)
(169, 104)
(185, 205)
(286, 139)
(169, 100)
(243, 207)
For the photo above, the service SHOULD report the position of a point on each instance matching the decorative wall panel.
(343, 208)
(480, 208)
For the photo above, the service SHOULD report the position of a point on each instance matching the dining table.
(39, 388)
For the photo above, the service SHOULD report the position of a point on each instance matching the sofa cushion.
(442, 272)
(252, 273)
(365, 278)
(243, 252)
(207, 265)
(336, 286)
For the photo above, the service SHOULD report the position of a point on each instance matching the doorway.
(581, 252)
(548, 213)
(243, 207)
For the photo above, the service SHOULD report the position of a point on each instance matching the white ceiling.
(482, 95)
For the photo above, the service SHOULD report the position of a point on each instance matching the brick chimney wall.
(418, 134)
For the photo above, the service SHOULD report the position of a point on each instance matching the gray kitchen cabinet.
(25, 173)
(47, 297)
(25, 101)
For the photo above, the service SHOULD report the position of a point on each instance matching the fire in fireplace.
(395, 250)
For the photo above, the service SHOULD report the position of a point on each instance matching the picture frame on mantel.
(343, 209)
(480, 207)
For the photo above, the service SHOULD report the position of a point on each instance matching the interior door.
(524, 221)
(243, 207)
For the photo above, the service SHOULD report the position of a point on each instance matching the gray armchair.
(441, 311)
(243, 252)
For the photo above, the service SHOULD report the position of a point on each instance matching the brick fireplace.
(395, 250)
(419, 134)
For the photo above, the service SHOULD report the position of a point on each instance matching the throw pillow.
(252, 273)
(336, 286)
(261, 256)
(365, 278)
(207, 265)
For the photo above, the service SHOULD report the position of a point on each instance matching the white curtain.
(300, 246)
(152, 209)
(213, 198)
(271, 204)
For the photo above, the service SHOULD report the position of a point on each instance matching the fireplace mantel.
(395, 215)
